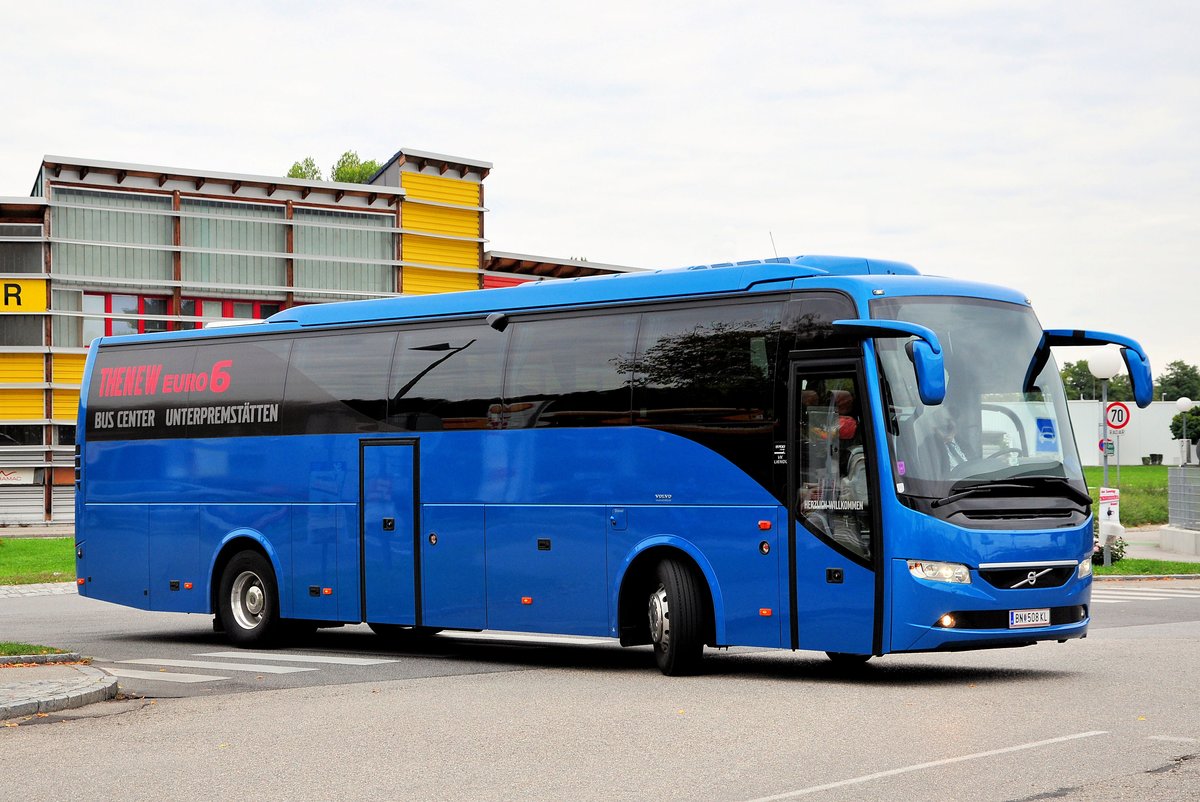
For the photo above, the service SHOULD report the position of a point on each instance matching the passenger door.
(833, 525)
(389, 503)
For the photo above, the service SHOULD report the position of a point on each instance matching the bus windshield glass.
(996, 427)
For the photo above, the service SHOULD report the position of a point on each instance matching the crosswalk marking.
(161, 676)
(1124, 595)
(300, 658)
(257, 668)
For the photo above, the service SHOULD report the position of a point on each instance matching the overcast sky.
(1049, 146)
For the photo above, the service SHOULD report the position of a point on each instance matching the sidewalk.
(37, 530)
(39, 684)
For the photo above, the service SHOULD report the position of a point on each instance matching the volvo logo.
(1032, 579)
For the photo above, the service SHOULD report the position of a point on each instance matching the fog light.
(1085, 569)
(955, 573)
(946, 621)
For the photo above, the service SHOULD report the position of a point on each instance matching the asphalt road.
(1115, 716)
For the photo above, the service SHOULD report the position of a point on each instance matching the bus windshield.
(994, 427)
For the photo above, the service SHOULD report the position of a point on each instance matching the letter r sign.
(22, 295)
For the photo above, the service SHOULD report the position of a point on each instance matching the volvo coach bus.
(821, 453)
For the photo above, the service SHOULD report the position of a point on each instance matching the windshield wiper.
(974, 490)
(1025, 486)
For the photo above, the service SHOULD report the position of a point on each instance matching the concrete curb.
(1133, 577)
(41, 659)
(48, 696)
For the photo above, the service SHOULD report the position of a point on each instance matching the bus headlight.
(955, 573)
(1085, 569)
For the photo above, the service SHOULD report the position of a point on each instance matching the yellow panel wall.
(22, 405)
(448, 252)
(68, 368)
(22, 369)
(440, 220)
(421, 281)
(66, 404)
(420, 186)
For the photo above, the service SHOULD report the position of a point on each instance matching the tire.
(848, 660)
(248, 601)
(676, 613)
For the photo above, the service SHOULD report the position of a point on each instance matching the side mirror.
(1135, 357)
(925, 352)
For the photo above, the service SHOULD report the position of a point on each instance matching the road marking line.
(1111, 601)
(549, 640)
(162, 676)
(932, 764)
(300, 658)
(1133, 596)
(1173, 739)
(258, 668)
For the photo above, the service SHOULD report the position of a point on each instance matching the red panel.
(493, 280)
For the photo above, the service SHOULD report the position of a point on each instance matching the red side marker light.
(765, 612)
(326, 591)
(79, 581)
(526, 600)
(765, 526)
(187, 585)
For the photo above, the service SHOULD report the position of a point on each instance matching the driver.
(950, 453)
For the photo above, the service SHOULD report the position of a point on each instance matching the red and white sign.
(1117, 414)
(16, 476)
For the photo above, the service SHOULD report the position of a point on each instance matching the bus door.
(833, 520)
(389, 530)
(420, 566)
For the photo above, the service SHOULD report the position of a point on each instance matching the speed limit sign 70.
(1117, 414)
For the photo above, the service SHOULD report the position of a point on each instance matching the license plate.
(1028, 618)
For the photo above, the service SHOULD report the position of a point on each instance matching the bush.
(1117, 551)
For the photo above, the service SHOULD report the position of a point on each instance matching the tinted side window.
(447, 378)
(809, 317)
(126, 397)
(336, 383)
(708, 373)
(570, 372)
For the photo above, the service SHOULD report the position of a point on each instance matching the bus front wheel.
(676, 612)
(248, 604)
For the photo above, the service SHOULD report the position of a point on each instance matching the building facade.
(106, 248)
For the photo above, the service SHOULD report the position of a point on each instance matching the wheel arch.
(245, 540)
(633, 585)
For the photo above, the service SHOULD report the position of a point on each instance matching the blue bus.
(822, 453)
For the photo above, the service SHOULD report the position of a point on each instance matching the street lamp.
(1104, 364)
(1183, 405)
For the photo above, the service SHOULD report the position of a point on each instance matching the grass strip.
(1143, 492)
(10, 649)
(28, 560)
(1131, 565)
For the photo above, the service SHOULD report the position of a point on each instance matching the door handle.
(389, 524)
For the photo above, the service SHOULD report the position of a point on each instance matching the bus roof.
(712, 279)
(697, 281)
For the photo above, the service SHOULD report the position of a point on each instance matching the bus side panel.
(273, 523)
(452, 566)
(562, 578)
(731, 539)
(174, 537)
(315, 547)
(116, 553)
(349, 588)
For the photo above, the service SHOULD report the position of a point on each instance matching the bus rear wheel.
(248, 601)
(676, 613)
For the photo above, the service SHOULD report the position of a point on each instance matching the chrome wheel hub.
(660, 618)
(248, 600)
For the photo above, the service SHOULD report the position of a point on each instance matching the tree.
(1193, 425)
(307, 169)
(1179, 380)
(1081, 384)
(350, 169)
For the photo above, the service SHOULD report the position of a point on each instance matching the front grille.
(998, 619)
(1008, 578)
